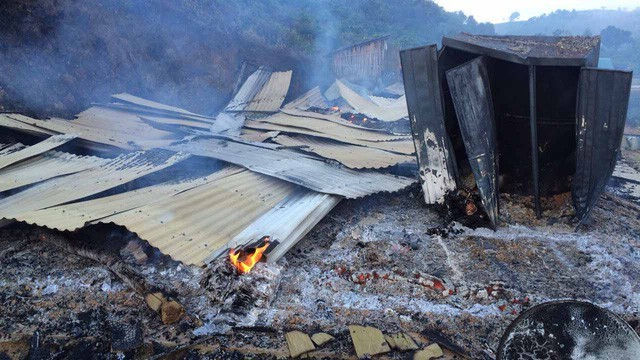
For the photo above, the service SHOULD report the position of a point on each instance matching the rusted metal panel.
(36, 149)
(603, 98)
(424, 101)
(469, 85)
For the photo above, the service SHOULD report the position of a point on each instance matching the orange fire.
(335, 108)
(250, 259)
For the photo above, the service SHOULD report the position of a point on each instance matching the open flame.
(335, 108)
(249, 260)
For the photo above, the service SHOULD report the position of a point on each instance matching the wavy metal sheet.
(285, 224)
(76, 215)
(329, 127)
(311, 99)
(401, 147)
(603, 99)
(263, 91)
(45, 166)
(469, 85)
(33, 150)
(23, 123)
(351, 156)
(391, 111)
(297, 168)
(64, 189)
(8, 149)
(191, 225)
(426, 115)
(144, 103)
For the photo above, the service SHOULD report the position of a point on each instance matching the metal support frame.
(533, 120)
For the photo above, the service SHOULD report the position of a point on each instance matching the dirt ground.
(387, 261)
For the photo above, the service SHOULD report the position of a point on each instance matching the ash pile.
(378, 214)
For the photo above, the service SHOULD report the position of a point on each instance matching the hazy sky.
(499, 10)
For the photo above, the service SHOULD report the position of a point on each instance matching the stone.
(430, 352)
(321, 338)
(368, 341)
(299, 343)
(401, 342)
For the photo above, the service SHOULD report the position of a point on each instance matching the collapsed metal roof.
(263, 91)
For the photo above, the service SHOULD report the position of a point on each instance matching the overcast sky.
(499, 10)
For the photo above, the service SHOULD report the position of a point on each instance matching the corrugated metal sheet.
(191, 225)
(329, 127)
(310, 99)
(297, 168)
(263, 91)
(76, 215)
(8, 149)
(401, 147)
(144, 103)
(393, 111)
(469, 85)
(106, 126)
(335, 119)
(286, 223)
(45, 166)
(603, 99)
(22, 123)
(31, 151)
(76, 186)
(351, 156)
(257, 135)
(426, 115)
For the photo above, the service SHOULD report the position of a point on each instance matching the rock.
(171, 311)
(430, 352)
(299, 343)
(155, 301)
(321, 338)
(401, 342)
(368, 341)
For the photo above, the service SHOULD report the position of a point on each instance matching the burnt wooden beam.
(533, 121)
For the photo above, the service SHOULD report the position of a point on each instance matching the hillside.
(574, 22)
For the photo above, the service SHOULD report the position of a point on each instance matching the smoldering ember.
(208, 180)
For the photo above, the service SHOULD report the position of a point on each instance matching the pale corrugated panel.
(106, 126)
(249, 89)
(23, 123)
(402, 147)
(330, 128)
(9, 149)
(393, 112)
(257, 135)
(76, 186)
(263, 91)
(336, 119)
(272, 94)
(351, 156)
(312, 98)
(286, 223)
(76, 215)
(297, 168)
(395, 88)
(624, 171)
(193, 224)
(138, 101)
(45, 166)
(36, 149)
(172, 123)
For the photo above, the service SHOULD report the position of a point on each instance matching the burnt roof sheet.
(531, 50)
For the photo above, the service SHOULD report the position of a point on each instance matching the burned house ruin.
(522, 114)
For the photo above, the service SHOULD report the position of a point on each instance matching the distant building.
(368, 62)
